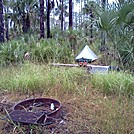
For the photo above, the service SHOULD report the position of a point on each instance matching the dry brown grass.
(89, 113)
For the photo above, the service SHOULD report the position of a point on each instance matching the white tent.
(86, 53)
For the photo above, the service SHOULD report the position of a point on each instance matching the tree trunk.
(70, 14)
(1, 22)
(91, 26)
(42, 33)
(26, 22)
(6, 10)
(7, 30)
(48, 18)
(62, 15)
(103, 41)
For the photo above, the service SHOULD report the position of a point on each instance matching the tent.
(86, 54)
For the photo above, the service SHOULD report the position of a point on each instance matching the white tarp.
(98, 69)
(86, 53)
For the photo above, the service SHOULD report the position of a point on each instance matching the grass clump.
(24, 78)
(113, 82)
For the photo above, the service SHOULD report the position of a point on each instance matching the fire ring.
(43, 111)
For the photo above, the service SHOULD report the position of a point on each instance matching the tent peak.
(86, 53)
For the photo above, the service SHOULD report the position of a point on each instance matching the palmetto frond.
(130, 17)
(126, 14)
(107, 20)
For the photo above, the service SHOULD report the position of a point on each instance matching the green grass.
(114, 82)
(31, 77)
(90, 109)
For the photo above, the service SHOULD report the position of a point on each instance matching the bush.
(47, 50)
(12, 52)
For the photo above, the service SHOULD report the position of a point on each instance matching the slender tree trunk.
(1, 22)
(103, 41)
(7, 23)
(48, 18)
(23, 23)
(91, 26)
(70, 14)
(42, 33)
(7, 30)
(62, 15)
(81, 11)
(79, 15)
(26, 22)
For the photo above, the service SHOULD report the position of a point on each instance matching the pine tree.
(42, 34)
(1, 22)
(70, 14)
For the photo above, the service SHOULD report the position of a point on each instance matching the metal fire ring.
(42, 111)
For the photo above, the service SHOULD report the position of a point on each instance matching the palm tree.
(118, 28)
(42, 33)
(1, 22)
(125, 25)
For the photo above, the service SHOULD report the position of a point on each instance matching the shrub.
(47, 50)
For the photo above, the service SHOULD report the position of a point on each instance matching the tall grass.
(113, 82)
(31, 77)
